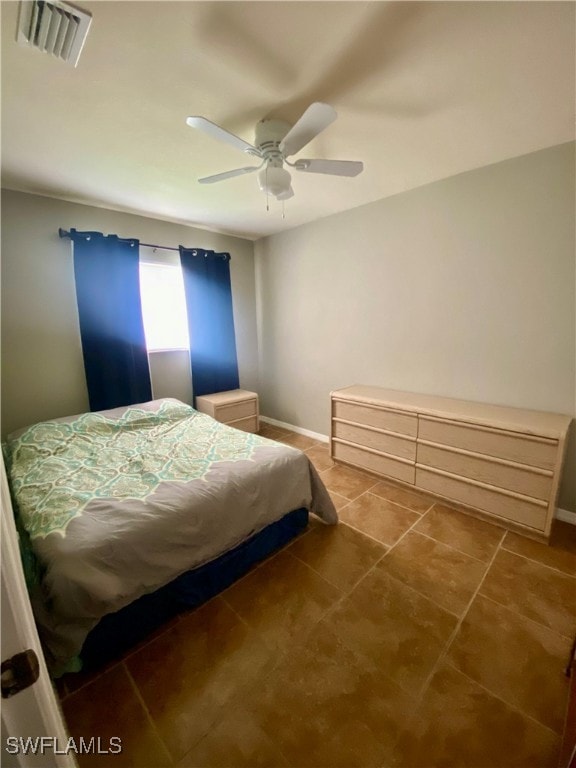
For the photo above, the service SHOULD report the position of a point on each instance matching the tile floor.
(411, 635)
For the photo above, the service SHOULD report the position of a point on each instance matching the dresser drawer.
(373, 462)
(526, 481)
(379, 441)
(524, 449)
(510, 508)
(235, 411)
(404, 423)
(249, 424)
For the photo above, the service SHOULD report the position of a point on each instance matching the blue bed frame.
(117, 632)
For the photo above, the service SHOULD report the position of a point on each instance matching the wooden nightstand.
(237, 408)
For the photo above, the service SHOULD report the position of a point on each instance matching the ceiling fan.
(275, 142)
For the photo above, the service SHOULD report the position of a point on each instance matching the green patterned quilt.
(118, 503)
(57, 468)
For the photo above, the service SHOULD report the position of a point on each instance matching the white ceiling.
(423, 90)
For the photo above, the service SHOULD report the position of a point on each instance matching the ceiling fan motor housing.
(268, 135)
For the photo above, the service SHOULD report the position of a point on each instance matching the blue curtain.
(208, 292)
(106, 271)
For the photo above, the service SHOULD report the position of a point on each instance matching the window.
(163, 306)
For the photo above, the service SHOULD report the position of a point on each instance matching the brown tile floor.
(411, 635)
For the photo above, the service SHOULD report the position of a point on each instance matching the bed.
(116, 507)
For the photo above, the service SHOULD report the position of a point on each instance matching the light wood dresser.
(236, 407)
(502, 462)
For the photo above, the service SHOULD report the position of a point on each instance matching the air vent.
(53, 27)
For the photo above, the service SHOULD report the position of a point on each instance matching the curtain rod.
(65, 233)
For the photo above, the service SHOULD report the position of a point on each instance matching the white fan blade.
(333, 167)
(286, 195)
(228, 174)
(317, 117)
(210, 128)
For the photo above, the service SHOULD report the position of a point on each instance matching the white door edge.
(34, 711)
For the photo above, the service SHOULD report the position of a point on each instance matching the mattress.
(116, 504)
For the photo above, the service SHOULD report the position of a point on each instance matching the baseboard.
(565, 515)
(298, 430)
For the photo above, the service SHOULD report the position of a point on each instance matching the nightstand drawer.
(229, 406)
(235, 411)
(246, 425)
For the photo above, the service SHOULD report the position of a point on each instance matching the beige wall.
(42, 368)
(463, 288)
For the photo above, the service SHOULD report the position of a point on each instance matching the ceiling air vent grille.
(53, 27)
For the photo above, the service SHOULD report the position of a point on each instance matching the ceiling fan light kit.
(275, 142)
(274, 180)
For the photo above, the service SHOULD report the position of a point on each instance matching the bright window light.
(163, 307)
